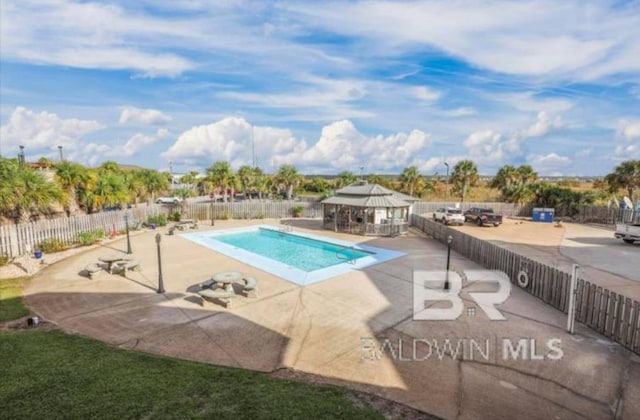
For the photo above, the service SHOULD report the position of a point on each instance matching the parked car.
(482, 216)
(168, 200)
(629, 233)
(449, 216)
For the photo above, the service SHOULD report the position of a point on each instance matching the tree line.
(26, 193)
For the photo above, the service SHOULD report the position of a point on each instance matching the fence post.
(571, 315)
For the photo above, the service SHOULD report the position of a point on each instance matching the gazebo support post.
(335, 218)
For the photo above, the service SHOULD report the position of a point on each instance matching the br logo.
(428, 287)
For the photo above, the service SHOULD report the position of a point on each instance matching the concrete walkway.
(354, 329)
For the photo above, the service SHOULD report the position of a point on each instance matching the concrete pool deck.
(327, 328)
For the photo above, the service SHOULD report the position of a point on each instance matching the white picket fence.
(18, 239)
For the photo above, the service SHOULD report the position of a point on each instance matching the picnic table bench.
(191, 223)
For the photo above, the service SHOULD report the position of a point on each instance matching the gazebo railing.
(394, 229)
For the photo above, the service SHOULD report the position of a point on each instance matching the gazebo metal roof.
(369, 195)
(364, 201)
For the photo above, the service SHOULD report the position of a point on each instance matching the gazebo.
(367, 209)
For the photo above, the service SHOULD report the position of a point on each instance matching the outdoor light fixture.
(60, 150)
(126, 225)
(160, 282)
(446, 276)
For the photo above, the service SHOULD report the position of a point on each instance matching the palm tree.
(506, 176)
(412, 181)
(376, 179)
(71, 177)
(625, 176)
(263, 184)
(247, 178)
(289, 177)
(110, 190)
(221, 175)
(526, 174)
(190, 178)
(24, 191)
(154, 182)
(465, 176)
(345, 178)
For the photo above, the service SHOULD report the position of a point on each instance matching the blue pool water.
(297, 251)
(299, 257)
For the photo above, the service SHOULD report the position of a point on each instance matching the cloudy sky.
(327, 86)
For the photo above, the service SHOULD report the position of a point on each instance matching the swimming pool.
(295, 256)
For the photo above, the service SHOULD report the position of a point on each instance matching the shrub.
(226, 215)
(4, 260)
(297, 210)
(175, 216)
(90, 237)
(51, 245)
(261, 215)
(159, 219)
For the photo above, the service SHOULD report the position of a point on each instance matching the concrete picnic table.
(112, 259)
(227, 278)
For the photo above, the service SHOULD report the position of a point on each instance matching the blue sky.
(327, 86)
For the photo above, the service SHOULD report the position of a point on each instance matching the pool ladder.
(286, 228)
(351, 261)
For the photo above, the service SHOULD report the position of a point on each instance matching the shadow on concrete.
(151, 322)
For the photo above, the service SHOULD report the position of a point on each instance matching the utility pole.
(21, 156)
(447, 188)
(171, 173)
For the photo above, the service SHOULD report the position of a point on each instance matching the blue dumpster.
(544, 215)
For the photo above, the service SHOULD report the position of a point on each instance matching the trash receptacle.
(544, 215)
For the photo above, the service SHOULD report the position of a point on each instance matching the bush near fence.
(610, 314)
(16, 239)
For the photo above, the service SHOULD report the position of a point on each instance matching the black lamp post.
(212, 196)
(446, 278)
(126, 226)
(160, 282)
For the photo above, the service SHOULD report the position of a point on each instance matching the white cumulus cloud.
(548, 163)
(340, 146)
(44, 130)
(544, 123)
(133, 115)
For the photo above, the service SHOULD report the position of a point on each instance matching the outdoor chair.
(123, 266)
(93, 269)
(208, 284)
(222, 295)
(250, 286)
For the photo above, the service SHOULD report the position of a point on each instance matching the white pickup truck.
(449, 216)
(629, 233)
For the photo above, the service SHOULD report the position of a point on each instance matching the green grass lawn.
(11, 306)
(51, 374)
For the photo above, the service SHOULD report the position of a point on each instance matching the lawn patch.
(11, 305)
(49, 374)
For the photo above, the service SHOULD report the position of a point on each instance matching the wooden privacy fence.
(608, 313)
(607, 215)
(16, 239)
